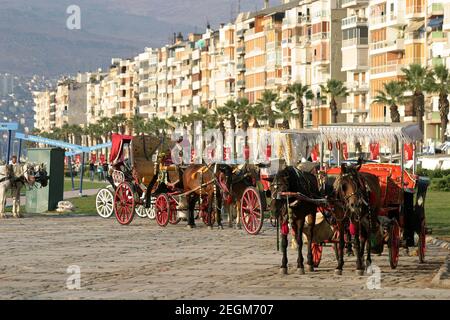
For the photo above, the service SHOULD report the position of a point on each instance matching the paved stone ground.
(144, 261)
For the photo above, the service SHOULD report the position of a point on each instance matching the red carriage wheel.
(422, 242)
(316, 254)
(124, 203)
(252, 213)
(162, 206)
(394, 244)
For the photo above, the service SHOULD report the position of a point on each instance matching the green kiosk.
(40, 200)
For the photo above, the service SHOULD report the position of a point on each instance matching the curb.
(440, 243)
(442, 277)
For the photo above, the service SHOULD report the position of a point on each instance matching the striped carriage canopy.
(407, 132)
(293, 145)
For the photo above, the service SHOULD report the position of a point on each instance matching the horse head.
(279, 183)
(348, 189)
(35, 173)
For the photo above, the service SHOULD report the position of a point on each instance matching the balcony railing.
(320, 36)
(397, 44)
(393, 66)
(377, 20)
(347, 3)
(354, 42)
(353, 20)
(415, 9)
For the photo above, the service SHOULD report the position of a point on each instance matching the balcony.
(240, 33)
(240, 50)
(437, 36)
(435, 9)
(240, 67)
(354, 3)
(388, 45)
(320, 36)
(304, 19)
(390, 67)
(350, 107)
(437, 62)
(353, 21)
(240, 83)
(355, 42)
(375, 20)
(355, 58)
(357, 86)
(415, 12)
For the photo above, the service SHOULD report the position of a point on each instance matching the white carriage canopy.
(386, 133)
(294, 145)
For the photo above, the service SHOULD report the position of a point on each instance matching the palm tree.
(442, 87)
(221, 115)
(256, 111)
(285, 111)
(334, 89)
(118, 123)
(419, 80)
(136, 124)
(232, 109)
(299, 92)
(267, 99)
(392, 96)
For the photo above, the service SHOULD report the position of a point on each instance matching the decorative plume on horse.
(14, 178)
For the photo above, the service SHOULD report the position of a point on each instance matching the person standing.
(92, 170)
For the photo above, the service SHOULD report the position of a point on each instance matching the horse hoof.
(338, 272)
(360, 272)
(210, 227)
(220, 227)
(190, 226)
(283, 271)
(301, 271)
(310, 268)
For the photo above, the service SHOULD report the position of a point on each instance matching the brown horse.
(293, 180)
(200, 183)
(359, 201)
(243, 177)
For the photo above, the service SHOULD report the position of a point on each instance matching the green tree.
(442, 87)
(392, 95)
(334, 89)
(300, 92)
(267, 100)
(285, 111)
(419, 80)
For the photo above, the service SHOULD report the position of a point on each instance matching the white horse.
(14, 177)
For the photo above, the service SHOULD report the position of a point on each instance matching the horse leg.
(299, 238)
(310, 256)
(192, 200)
(349, 243)
(369, 248)
(210, 211)
(16, 202)
(238, 214)
(220, 204)
(284, 260)
(359, 266)
(340, 249)
(3, 189)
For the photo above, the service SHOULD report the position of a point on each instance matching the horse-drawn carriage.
(401, 193)
(134, 168)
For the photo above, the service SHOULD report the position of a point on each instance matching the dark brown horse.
(205, 183)
(292, 180)
(359, 198)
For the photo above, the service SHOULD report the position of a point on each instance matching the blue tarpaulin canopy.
(436, 22)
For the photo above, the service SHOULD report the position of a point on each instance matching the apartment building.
(94, 93)
(45, 107)
(355, 59)
(436, 46)
(147, 82)
(71, 101)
